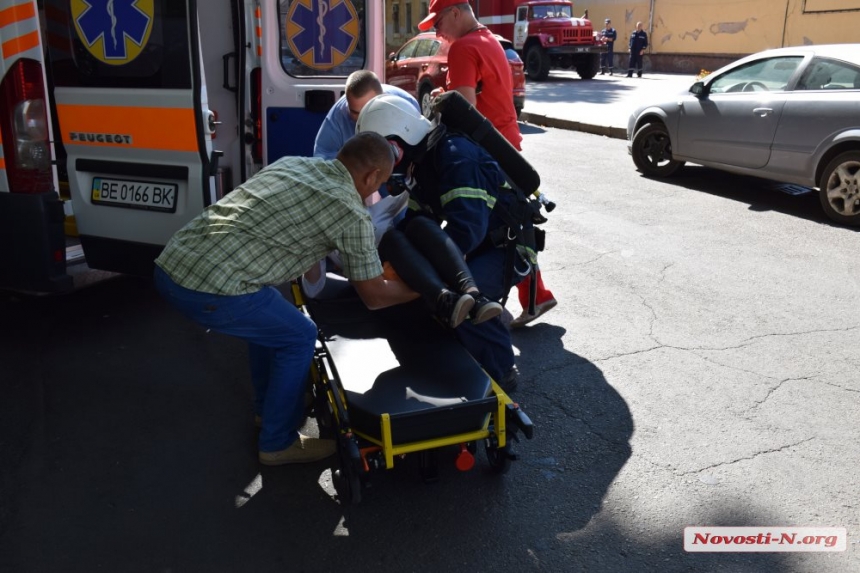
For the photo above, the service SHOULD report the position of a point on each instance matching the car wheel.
(537, 63)
(426, 100)
(840, 188)
(652, 151)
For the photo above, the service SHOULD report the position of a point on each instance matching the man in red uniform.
(479, 70)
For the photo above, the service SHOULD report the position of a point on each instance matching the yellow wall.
(729, 26)
(724, 27)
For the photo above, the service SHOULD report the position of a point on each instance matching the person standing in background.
(638, 43)
(609, 35)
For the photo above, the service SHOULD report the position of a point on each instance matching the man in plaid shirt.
(221, 269)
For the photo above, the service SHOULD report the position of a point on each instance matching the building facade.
(402, 20)
(690, 35)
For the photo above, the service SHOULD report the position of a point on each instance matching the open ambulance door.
(31, 212)
(134, 121)
(307, 48)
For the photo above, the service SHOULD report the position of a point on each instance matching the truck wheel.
(537, 63)
(588, 67)
(840, 188)
(652, 151)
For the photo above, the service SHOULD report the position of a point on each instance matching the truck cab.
(548, 36)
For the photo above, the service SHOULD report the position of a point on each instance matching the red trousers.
(543, 293)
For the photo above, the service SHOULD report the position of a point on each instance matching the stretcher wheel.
(346, 479)
(499, 458)
(347, 485)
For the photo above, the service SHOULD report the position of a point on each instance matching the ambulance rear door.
(134, 122)
(307, 49)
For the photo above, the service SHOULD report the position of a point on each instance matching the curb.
(558, 123)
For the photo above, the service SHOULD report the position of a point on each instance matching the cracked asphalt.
(700, 369)
(719, 308)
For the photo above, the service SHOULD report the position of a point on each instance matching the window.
(158, 58)
(406, 51)
(771, 74)
(823, 74)
(522, 13)
(395, 17)
(409, 18)
(335, 49)
(424, 10)
(424, 48)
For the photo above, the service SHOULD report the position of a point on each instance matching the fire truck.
(120, 120)
(545, 34)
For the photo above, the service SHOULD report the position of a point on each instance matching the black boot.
(452, 308)
(484, 309)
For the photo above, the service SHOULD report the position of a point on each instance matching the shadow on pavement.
(128, 445)
(529, 128)
(574, 90)
(759, 194)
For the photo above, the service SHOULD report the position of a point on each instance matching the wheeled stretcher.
(393, 382)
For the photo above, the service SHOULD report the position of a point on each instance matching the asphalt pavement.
(600, 106)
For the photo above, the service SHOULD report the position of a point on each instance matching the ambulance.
(120, 120)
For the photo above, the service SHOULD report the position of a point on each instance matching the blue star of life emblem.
(322, 33)
(114, 31)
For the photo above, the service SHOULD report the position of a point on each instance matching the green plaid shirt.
(273, 228)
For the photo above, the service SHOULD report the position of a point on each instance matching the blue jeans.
(280, 341)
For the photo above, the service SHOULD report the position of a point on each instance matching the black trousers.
(635, 62)
(426, 258)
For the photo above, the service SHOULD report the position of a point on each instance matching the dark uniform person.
(638, 43)
(458, 182)
(606, 59)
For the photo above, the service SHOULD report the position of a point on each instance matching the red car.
(421, 65)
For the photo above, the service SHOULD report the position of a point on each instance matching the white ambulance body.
(155, 108)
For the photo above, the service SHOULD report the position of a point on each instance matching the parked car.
(788, 114)
(421, 65)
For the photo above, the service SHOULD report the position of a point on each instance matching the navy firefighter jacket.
(638, 40)
(459, 182)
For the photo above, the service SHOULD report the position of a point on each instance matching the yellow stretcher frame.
(324, 375)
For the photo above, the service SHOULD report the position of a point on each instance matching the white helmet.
(391, 115)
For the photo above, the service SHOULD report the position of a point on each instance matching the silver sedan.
(789, 114)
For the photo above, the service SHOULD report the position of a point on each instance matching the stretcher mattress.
(400, 361)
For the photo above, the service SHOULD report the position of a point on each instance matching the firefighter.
(455, 180)
(638, 43)
(609, 36)
(479, 70)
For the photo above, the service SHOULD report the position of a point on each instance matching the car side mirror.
(698, 89)
(391, 56)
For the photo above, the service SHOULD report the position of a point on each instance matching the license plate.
(135, 194)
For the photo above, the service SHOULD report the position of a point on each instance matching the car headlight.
(550, 39)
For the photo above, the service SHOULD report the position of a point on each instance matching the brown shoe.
(540, 309)
(304, 450)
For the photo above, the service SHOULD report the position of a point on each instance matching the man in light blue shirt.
(339, 124)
